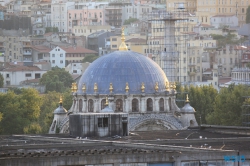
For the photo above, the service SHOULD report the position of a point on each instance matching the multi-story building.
(207, 9)
(113, 14)
(62, 56)
(83, 17)
(189, 5)
(89, 29)
(59, 15)
(218, 21)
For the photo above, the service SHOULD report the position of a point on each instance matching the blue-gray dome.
(60, 110)
(187, 108)
(120, 67)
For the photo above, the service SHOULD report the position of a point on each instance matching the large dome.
(119, 68)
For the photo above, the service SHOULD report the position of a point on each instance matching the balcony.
(191, 73)
(27, 52)
(245, 60)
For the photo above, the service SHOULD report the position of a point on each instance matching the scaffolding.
(167, 41)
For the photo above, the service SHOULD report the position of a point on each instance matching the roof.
(119, 68)
(48, 34)
(203, 25)
(42, 49)
(136, 40)
(22, 68)
(78, 50)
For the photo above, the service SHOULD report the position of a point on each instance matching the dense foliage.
(1, 80)
(28, 111)
(216, 108)
(90, 58)
(57, 80)
(223, 40)
(130, 20)
(51, 29)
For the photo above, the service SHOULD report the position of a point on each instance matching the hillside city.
(207, 44)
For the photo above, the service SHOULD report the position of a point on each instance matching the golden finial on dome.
(187, 99)
(123, 46)
(83, 87)
(110, 87)
(174, 85)
(142, 87)
(60, 102)
(167, 86)
(156, 87)
(127, 87)
(95, 87)
(107, 101)
(75, 87)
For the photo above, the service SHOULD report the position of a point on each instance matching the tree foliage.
(29, 112)
(223, 40)
(130, 20)
(248, 15)
(51, 29)
(56, 79)
(90, 58)
(1, 80)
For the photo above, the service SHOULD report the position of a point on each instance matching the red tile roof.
(43, 49)
(22, 68)
(72, 49)
(48, 34)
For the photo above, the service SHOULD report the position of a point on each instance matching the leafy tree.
(1, 80)
(90, 58)
(50, 103)
(248, 15)
(51, 29)
(19, 111)
(228, 106)
(130, 20)
(227, 39)
(56, 79)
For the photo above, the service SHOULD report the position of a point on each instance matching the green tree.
(228, 106)
(51, 29)
(57, 80)
(90, 58)
(19, 111)
(130, 20)
(248, 15)
(49, 104)
(223, 40)
(1, 81)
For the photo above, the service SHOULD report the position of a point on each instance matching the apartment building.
(207, 9)
(135, 11)
(188, 5)
(59, 15)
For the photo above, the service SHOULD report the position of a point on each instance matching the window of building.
(61, 55)
(7, 75)
(28, 75)
(53, 61)
(103, 122)
(114, 46)
(149, 104)
(80, 105)
(53, 55)
(135, 105)
(161, 104)
(90, 105)
(114, 39)
(37, 75)
(119, 105)
(61, 61)
(103, 103)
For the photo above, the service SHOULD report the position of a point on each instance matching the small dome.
(119, 68)
(187, 108)
(107, 110)
(60, 110)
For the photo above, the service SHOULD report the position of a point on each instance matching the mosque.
(120, 92)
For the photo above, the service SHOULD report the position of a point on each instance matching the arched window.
(90, 105)
(119, 106)
(103, 104)
(135, 105)
(80, 105)
(169, 103)
(161, 104)
(149, 104)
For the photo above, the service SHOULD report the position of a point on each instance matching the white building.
(218, 21)
(57, 57)
(135, 11)
(15, 75)
(59, 14)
